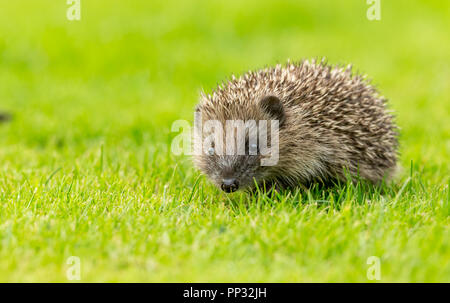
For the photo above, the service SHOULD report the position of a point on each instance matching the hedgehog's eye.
(211, 151)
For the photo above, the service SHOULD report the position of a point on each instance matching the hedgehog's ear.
(273, 106)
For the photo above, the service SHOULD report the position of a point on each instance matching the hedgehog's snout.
(230, 185)
(233, 173)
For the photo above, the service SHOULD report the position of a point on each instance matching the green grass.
(86, 168)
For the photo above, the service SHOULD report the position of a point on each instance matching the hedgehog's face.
(237, 158)
(232, 173)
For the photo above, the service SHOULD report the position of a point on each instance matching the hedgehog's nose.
(229, 185)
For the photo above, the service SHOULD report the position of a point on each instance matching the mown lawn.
(85, 162)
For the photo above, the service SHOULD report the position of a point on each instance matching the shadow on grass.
(323, 195)
(331, 195)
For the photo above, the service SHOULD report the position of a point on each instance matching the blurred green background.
(85, 167)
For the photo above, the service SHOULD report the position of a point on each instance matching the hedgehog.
(333, 125)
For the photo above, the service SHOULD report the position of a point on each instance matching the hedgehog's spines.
(336, 118)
